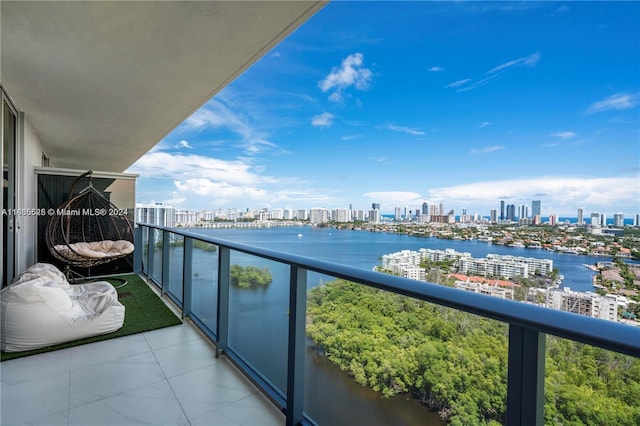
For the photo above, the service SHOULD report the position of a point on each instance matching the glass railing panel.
(378, 358)
(258, 315)
(204, 283)
(145, 249)
(588, 385)
(156, 270)
(176, 267)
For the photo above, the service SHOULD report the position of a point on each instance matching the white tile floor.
(163, 377)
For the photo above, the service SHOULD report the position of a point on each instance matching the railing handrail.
(593, 331)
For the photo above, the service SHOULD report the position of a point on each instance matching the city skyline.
(401, 103)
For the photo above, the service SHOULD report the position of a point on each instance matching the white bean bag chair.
(40, 308)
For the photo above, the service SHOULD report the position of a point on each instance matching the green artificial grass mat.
(144, 311)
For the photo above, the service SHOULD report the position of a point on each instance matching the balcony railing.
(199, 282)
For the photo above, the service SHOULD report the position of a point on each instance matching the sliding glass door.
(8, 125)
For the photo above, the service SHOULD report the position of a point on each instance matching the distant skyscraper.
(374, 216)
(511, 212)
(535, 208)
(425, 208)
(595, 219)
(636, 220)
(580, 216)
(502, 210)
(618, 220)
(375, 206)
(441, 209)
(494, 215)
(523, 212)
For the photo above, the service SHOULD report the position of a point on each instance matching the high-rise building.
(318, 216)
(618, 220)
(511, 212)
(535, 208)
(523, 212)
(341, 215)
(494, 215)
(636, 220)
(397, 214)
(374, 216)
(425, 208)
(580, 216)
(156, 214)
(502, 210)
(595, 219)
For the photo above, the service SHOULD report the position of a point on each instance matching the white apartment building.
(587, 303)
(302, 214)
(359, 215)
(341, 215)
(403, 257)
(493, 267)
(277, 214)
(186, 217)
(542, 266)
(483, 288)
(442, 255)
(408, 271)
(156, 214)
(374, 216)
(318, 216)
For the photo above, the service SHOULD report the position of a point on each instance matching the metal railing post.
(187, 276)
(224, 259)
(138, 251)
(525, 378)
(165, 277)
(296, 348)
(151, 252)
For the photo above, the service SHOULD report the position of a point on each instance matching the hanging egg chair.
(88, 230)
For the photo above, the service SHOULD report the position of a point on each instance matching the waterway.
(258, 318)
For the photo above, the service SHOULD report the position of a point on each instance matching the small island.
(250, 276)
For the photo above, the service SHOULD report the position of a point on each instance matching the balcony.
(177, 377)
(169, 376)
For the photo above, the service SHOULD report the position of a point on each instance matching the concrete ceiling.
(103, 82)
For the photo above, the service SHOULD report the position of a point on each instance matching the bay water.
(259, 318)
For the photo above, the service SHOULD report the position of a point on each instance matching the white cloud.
(402, 129)
(495, 72)
(529, 61)
(564, 135)
(350, 73)
(350, 137)
(180, 167)
(221, 190)
(322, 120)
(619, 101)
(391, 199)
(563, 194)
(216, 114)
(485, 124)
(487, 149)
(184, 144)
(436, 69)
(458, 83)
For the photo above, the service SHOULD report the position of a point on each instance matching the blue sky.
(464, 103)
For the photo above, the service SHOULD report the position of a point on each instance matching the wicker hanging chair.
(88, 230)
